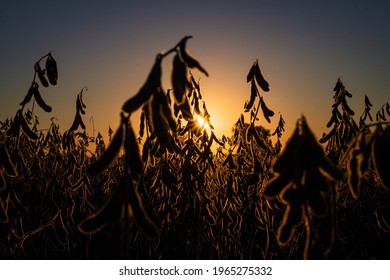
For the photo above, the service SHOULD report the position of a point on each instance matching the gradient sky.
(110, 46)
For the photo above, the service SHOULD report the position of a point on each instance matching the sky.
(110, 47)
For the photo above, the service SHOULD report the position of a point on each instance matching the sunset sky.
(110, 46)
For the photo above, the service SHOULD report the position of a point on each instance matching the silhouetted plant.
(344, 126)
(302, 183)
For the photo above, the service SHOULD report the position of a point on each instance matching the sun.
(202, 123)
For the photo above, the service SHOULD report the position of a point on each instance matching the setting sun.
(202, 123)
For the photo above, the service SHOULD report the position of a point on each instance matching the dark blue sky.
(109, 46)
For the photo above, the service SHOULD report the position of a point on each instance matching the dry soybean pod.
(292, 218)
(26, 129)
(142, 124)
(109, 154)
(28, 96)
(132, 155)
(260, 142)
(266, 112)
(40, 101)
(179, 79)
(159, 123)
(139, 214)
(254, 93)
(166, 110)
(259, 77)
(76, 122)
(251, 74)
(51, 69)
(188, 59)
(41, 75)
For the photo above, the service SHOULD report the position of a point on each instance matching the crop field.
(171, 189)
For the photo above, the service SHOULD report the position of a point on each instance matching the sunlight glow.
(202, 123)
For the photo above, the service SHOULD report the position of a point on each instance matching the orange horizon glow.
(110, 48)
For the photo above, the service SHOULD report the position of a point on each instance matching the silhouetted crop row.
(165, 193)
